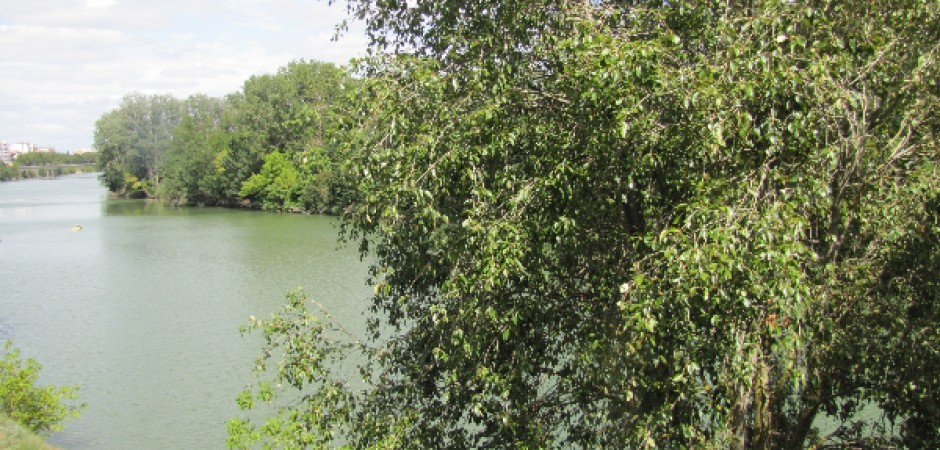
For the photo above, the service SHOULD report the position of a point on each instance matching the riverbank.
(14, 436)
(23, 172)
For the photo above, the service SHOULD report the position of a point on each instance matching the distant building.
(20, 148)
(6, 155)
(9, 152)
(83, 151)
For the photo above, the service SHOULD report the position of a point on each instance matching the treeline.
(272, 145)
(16, 170)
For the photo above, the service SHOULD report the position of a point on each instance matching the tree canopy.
(634, 224)
(204, 150)
(132, 141)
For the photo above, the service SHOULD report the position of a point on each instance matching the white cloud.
(65, 63)
(100, 3)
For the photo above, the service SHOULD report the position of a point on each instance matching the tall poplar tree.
(132, 141)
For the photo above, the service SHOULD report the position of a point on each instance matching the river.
(141, 306)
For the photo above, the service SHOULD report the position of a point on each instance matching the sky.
(64, 63)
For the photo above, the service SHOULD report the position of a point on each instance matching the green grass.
(14, 436)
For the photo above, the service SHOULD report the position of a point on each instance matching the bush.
(14, 436)
(40, 408)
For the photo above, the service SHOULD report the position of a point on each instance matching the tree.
(132, 141)
(277, 186)
(634, 225)
(112, 143)
(8, 173)
(40, 408)
(294, 111)
(192, 170)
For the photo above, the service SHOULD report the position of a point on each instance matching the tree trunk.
(804, 424)
(739, 418)
(763, 397)
(742, 410)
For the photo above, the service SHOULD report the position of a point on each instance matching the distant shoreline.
(21, 173)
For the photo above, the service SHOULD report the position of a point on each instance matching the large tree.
(132, 141)
(293, 112)
(192, 167)
(636, 224)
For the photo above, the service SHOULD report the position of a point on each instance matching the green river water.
(142, 306)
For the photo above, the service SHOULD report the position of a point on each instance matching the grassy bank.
(14, 436)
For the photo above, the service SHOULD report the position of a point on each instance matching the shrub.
(39, 408)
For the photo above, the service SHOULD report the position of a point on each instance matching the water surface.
(141, 306)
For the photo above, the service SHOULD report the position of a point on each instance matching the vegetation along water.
(603, 224)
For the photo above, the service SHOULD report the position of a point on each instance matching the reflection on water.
(142, 305)
(120, 207)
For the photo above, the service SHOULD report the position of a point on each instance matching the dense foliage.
(636, 224)
(54, 158)
(222, 151)
(8, 173)
(40, 408)
(133, 140)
